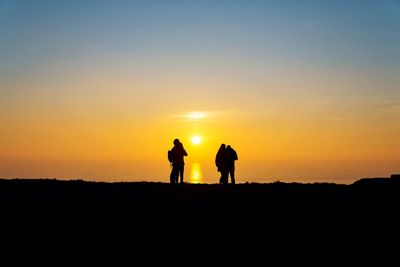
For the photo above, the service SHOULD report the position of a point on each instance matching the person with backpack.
(176, 158)
(231, 157)
(221, 161)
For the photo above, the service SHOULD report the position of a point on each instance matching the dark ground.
(77, 223)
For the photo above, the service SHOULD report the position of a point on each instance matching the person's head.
(176, 142)
(228, 147)
(222, 146)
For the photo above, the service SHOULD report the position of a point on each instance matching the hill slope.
(77, 223)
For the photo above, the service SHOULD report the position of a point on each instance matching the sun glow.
(196, 140)
(196, 175)
(196, 115)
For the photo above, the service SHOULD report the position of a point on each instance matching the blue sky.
(352, 33)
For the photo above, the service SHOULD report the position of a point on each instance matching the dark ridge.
(373, 181)
(81, 223)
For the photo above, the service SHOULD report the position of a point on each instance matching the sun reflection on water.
(196, 176)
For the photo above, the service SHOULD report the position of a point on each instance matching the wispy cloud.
(388, 110)
(198, 115)
(208, 115)
(342, 118)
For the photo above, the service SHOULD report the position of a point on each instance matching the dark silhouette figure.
(175, 156)
(221, 161)
(231, 157)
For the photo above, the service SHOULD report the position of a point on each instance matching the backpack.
(170, 156)
(235, 157)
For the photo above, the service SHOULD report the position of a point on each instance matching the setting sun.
(196, 139)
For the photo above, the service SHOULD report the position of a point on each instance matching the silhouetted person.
(231, 156)
(221, 161)
(175, 156)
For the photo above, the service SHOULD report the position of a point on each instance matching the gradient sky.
(304, 90)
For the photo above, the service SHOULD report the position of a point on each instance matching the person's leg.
(222, 178)
(181, 173)
(225, 177)
(232, 172)
(172, 175)
(177, 174)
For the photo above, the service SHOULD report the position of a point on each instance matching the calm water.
(196, 175)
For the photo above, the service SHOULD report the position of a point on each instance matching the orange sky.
(289, 147)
